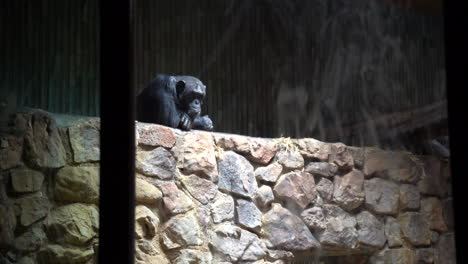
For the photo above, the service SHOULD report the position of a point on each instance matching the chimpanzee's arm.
(202, 122)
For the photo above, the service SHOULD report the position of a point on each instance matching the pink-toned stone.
(287, 231)
(323, 169)
(425, 255)
(445, 252)
(201, 189)
(371, 230)
(155, 135)
(432, 181)
(297, 188)
(415, 228)
(432, 209)
(175, 201)
(235, 143)
(314, 218)
(312, 148)
(409, 197)
(195, 154)
(182, 230)
(398, 166)
(290, 159)
(325, 189)
(261, 150)
(269, 173)
(400, 256)
(341, 156)
(393, 232)
(348, 191)
(382, 196)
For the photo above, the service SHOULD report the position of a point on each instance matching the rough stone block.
(382, 196)
(25, 180)
(236, 175)
(155, 135)
(348, 190)
(287, 231)
(297, 188)
(84, 141)
(77, 184)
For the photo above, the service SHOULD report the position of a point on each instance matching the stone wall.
(221, 198)
(49, 191)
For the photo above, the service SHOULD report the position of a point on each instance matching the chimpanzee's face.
(191, 93)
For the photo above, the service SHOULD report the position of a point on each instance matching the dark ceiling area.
(363, 72)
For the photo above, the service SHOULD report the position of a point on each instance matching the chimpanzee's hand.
(203, 122)
(185, 122)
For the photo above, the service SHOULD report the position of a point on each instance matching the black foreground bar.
(455, 15)
(117, 187)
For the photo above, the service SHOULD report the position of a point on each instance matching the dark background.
(364, 72)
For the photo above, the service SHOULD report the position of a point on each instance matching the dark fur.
(173, 101)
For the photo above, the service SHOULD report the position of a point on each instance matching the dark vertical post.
(117, 135)
(456, 65)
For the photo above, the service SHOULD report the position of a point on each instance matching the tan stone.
(146, 222)
(32, 208)
(84, 141)
(42, 141)
(195, 154)
(146, 193)
(77, 184)
(74, 224)
(26, 180)
(7, 224)
(61, 254)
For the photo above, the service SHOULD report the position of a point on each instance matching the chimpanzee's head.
(190, 93)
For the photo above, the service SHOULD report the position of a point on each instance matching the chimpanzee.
(173, 101)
